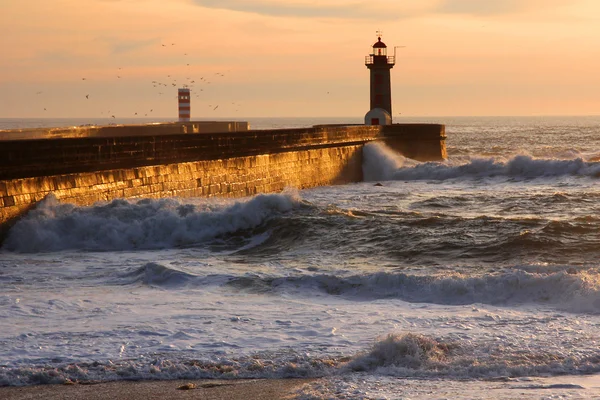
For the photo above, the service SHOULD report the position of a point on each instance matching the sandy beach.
(258, 389)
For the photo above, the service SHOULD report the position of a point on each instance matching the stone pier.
(88, 165)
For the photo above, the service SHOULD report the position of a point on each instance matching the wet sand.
(258, 389)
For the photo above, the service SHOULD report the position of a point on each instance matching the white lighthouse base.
(378, 116)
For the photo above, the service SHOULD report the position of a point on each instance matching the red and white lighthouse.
(380, 65)
(183, 97)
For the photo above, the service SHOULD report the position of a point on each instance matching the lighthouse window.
(380, 51)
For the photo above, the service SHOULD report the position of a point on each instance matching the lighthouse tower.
(379, 65)
(183, 99)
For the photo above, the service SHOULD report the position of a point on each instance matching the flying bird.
(87, 96)
(215, 108)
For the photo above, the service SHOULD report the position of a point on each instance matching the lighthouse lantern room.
(379, 65)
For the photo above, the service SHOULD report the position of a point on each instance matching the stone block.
(9, 212)
(128, 175)
(85, 180)
(22, 199)
(114, 194)
(13, 187)
(62, 193)
(8, 201)
(135, 191)
(39, 196)
(157, 188)
(48, 183)
(214, 189)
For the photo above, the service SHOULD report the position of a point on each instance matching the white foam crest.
(408, 351)
(528, 167)
(573, 292)
(401, 355)
(257, 366)
(382, 163)
(416, 355)
(153, 274)
(143, 224)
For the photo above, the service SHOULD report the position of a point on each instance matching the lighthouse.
(379, 65)
(183, 97)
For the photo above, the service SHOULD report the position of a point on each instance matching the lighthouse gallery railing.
(369, 60)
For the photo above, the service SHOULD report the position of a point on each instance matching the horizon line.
(316, 117)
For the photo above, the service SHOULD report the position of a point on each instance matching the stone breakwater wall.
(86, 170)
(156, 129)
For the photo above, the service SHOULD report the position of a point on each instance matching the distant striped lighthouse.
(183, 97)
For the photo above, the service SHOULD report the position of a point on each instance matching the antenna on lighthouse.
(397, 47)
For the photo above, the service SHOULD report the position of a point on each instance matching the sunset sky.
(287, 58)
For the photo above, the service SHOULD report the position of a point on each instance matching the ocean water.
(477, 277)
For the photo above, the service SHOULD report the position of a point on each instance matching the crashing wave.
(143, 224)
(381, 163)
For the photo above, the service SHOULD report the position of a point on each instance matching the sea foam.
(141, 224)
(157, 275)
(401, 355)
(408, 350)
(381, 163)
(564, 290)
